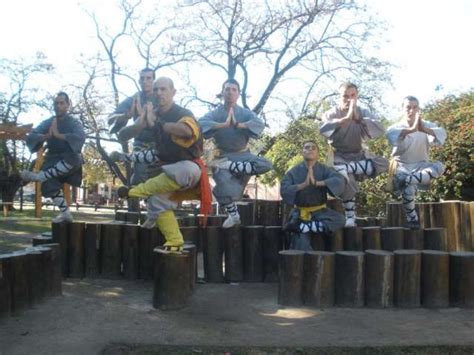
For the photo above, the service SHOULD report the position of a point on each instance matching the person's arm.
(36, 138)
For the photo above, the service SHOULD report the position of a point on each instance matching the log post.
(148, 240)
(247, 213)
(213, 247)
(92, 250)
(317, 241)
(253, 253)
(191, 249)
(75, 249)
(19, 281)
(190, 234)
(392, 238)
(268, 213)
(234, 254)
(171, 280)
(39, 240)
(5, 286)
(121, 216)
(467, 224)
(447, 214)
(290, 287)
(132, 217)
(434, 279)
(413, 239)
(273, 237)
(461, 269)
(56, 274)
(59, 231)
(216, 221)
(318, 279)
(35, 276)
(371, 238)
(130, 251)
(379, 278)
(111, 251)
(395, 214)
(407, 278)
(435, 239)
(350, 283)
(352, 238)
(334, 241)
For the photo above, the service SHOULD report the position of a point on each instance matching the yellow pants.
(166, 221)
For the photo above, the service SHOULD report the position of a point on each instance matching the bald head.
(164, 90)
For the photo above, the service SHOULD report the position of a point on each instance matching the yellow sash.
(305, 212)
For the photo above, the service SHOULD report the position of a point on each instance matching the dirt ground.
(116, 317)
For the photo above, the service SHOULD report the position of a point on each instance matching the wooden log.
(213, 247)
(317, 241)
(334, 241)
(413, 239)
(130, 251)
(392, 238)
(59, 231)
(269, 213)
(5, 287)
(35, 275)
(171, 289)
(407, 278)
(247, 211)
(132, 217)
(92, 250)
(191, 249)
(190, 234)
(234, 254)
(285, 213)
(352, 238)
(371, 238)
(148, 240)
(395, 214)
(467, 224)
(434, 279)
(350, 283)
(273, 237)
(379, 278)
(56, 274)
(75, 249)
(19, 281)
(319, 279)
(424, 213)
(121, 216)
(189, 221)
(216, 221)
(290, 287)
(253, 253)
(461, 280)
(435, 239)
(39, 240)
(447, 214)
(111, 251)
(47, 270)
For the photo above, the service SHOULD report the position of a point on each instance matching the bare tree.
(317, 40)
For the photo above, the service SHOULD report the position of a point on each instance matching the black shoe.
(122, 192)
(412, 225)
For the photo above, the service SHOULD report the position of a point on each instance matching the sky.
(429, 41)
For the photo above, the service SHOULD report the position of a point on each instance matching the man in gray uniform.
(64, 137)
(306, 187)
(231, 127)
(347, 127)
(132, 107)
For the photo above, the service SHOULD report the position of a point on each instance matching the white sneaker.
(350, 222)
(65, 216)
(27, 176)
(150, 223)
(231, 221)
